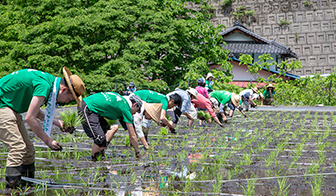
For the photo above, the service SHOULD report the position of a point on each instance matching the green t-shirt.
(208, 84)
(153, 97)
(267, 94)
(18, 88)
(221, 96)
(110, 105)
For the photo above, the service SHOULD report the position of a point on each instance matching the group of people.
(28, 89)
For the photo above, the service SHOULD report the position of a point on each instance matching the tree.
(155, 43)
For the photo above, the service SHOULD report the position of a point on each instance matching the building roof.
(272, 71)
(260, 45)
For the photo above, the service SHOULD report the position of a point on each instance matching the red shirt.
(203, 103)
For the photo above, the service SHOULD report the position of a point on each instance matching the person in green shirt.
(95, 108)
(268, 95)
(231, 99)
(25, 91)
(209, 83)
(166, 101)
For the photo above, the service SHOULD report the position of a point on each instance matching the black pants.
(94, 125)
(175, 115)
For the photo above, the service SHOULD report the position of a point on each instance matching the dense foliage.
(153, 43)
(310, 91)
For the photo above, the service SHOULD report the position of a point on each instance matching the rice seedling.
(71, 120)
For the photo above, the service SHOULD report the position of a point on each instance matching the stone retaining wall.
(310, 34)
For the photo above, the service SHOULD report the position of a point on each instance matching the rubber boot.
(13, 177)
(27, 171)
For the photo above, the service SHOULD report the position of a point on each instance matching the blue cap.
(131, 84)
(201, 80)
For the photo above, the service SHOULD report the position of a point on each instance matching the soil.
(270, 152)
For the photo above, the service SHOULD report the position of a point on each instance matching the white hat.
(193, 92)
(214, 102)
(209, 75)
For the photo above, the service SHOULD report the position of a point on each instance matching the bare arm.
(31, 118)
(217, 121)
(188, 116)
(133, 137)
(165, 120)
(56, 121)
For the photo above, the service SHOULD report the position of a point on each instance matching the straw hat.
(235, 99)
(270, 86)
(75, 85)
(193, 92)
(255, 89)
(209, 75)
(154, 110)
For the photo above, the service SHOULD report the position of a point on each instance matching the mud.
(280, 151)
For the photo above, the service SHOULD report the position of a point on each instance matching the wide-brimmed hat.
(235, 99)
(154, 110)
(214, 102)
(255, 89)
(270, 86)
(193, 92)
(75, 84)
(209, 75)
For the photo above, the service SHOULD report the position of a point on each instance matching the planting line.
(263, 178)
(287, 150)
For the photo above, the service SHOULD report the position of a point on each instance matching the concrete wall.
(310, 34)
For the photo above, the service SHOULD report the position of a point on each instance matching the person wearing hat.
(231, 99)
(209, 83)
(185, 108)
(247, 97)
(204, 103)
(269, 95)
(25, 91)
(148, 111)
(167, 102)
(201, 88)
(95, 108)
(130, 89)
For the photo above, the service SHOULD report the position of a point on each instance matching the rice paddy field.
(273, 151)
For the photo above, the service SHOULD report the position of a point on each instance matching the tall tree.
(161, 41)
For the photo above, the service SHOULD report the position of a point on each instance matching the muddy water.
(268, 152)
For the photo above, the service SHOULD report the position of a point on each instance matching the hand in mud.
(172, 130)
(138, 155)
(70, 129)
(222, 125)
(201, 118)
(55, 146)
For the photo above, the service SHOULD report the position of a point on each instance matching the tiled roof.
(266, 46)
(272, 71)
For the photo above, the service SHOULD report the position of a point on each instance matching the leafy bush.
(226, 3)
